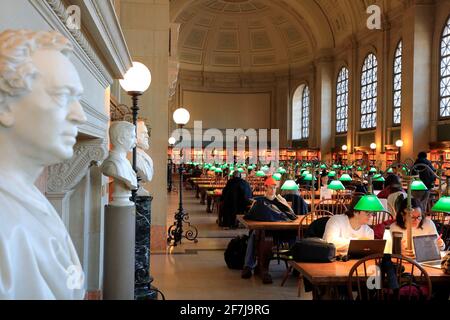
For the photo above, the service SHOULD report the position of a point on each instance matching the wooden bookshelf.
(440, 151)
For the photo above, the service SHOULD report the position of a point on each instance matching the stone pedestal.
(119, 253)
(143, 289)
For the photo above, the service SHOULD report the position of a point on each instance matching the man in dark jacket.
(425, 175)
(235, 200)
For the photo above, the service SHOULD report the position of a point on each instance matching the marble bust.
(40, 114)
(144, 162)
(123, 139)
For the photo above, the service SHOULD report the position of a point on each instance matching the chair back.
(309, 218)
(366, 280)
(380, 217)
(333, 206)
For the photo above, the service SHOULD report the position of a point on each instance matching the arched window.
(444, 105)
(342, 101)
(398, 85)
(300, 113)
(369, 93)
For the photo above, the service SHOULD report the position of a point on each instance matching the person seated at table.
(393, 184)
(353, 225)
(421, 224)
(235, 200)
(271, 198)
(395, 198)
(298, 204)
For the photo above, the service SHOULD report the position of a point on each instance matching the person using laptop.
(421, 225)
(353, 225)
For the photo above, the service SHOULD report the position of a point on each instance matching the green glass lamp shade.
(443, 205)
(250, 168)
(290, 185)
(260, 174)
(305, 173)
(265, 169)
(378, 178)
(241, 170)
(373, 170)
(390, 170)
(277, 176)
(213, 168)
(336, 185)
(231, 173)
(281, 170)
(345, 178)
(360, 169)
(369, 203)
(323, 166)
(218, 170)
(332, 174)
(418, 185)
(309, 177)
(335, 166)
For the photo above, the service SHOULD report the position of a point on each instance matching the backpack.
(235, 252)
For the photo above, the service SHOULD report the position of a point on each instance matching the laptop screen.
(426, 249)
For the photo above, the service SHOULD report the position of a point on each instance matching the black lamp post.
(136, 81)
(172, 142)
(176, 233)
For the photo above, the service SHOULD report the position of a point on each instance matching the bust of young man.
(40, 113)
(144, 162)
(123, 139)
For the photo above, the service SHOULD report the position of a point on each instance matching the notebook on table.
(426, 251)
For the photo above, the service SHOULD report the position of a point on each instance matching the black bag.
(235, 253)
(313, 250)
(264, 210)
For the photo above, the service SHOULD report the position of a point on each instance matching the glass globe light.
(137, 79)
(373, 146)
(344, 147)
(172, 141)
(181, 116)
(399, 143)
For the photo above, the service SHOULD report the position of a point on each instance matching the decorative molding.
(54, 11)
(103, 24)
(65, 176)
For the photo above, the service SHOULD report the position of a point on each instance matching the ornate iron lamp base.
(176, 231)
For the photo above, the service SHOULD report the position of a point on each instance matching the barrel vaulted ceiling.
(250, 35)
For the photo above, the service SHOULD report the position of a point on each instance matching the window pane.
(397, 103)
(342, 101)
(369, 92)
(444, 107)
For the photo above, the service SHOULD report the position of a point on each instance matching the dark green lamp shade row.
(336, 185)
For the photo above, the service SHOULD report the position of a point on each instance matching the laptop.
(362, 248)
(426, 251)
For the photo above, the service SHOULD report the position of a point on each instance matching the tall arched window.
(369, 93)
(444, 105)
(342, 101)
(300, 113)
(398, 85)
(305, 113)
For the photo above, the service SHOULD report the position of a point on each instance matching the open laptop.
(426, 251)
(362, 248)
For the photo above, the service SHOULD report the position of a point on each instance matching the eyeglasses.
(419, 218)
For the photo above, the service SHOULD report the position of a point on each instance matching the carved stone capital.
(65, 176)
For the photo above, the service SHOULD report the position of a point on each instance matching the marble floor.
(197, 271)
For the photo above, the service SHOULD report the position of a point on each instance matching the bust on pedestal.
(120, 215)
(123, 139)
(39, 118)
(144, 162)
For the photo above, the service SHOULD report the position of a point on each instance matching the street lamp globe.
(373, 146)
(344, 147)
(172, 141)
(137, 79)
(399, 143)
(181, 116)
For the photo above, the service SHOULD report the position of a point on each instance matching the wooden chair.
(380, 217)
(333, 206)
(305, 222)
(367, 267)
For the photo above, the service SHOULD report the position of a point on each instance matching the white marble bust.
(39, 118)
(123, 139)
(144, 162)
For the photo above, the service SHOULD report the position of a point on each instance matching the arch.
(301, 109)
